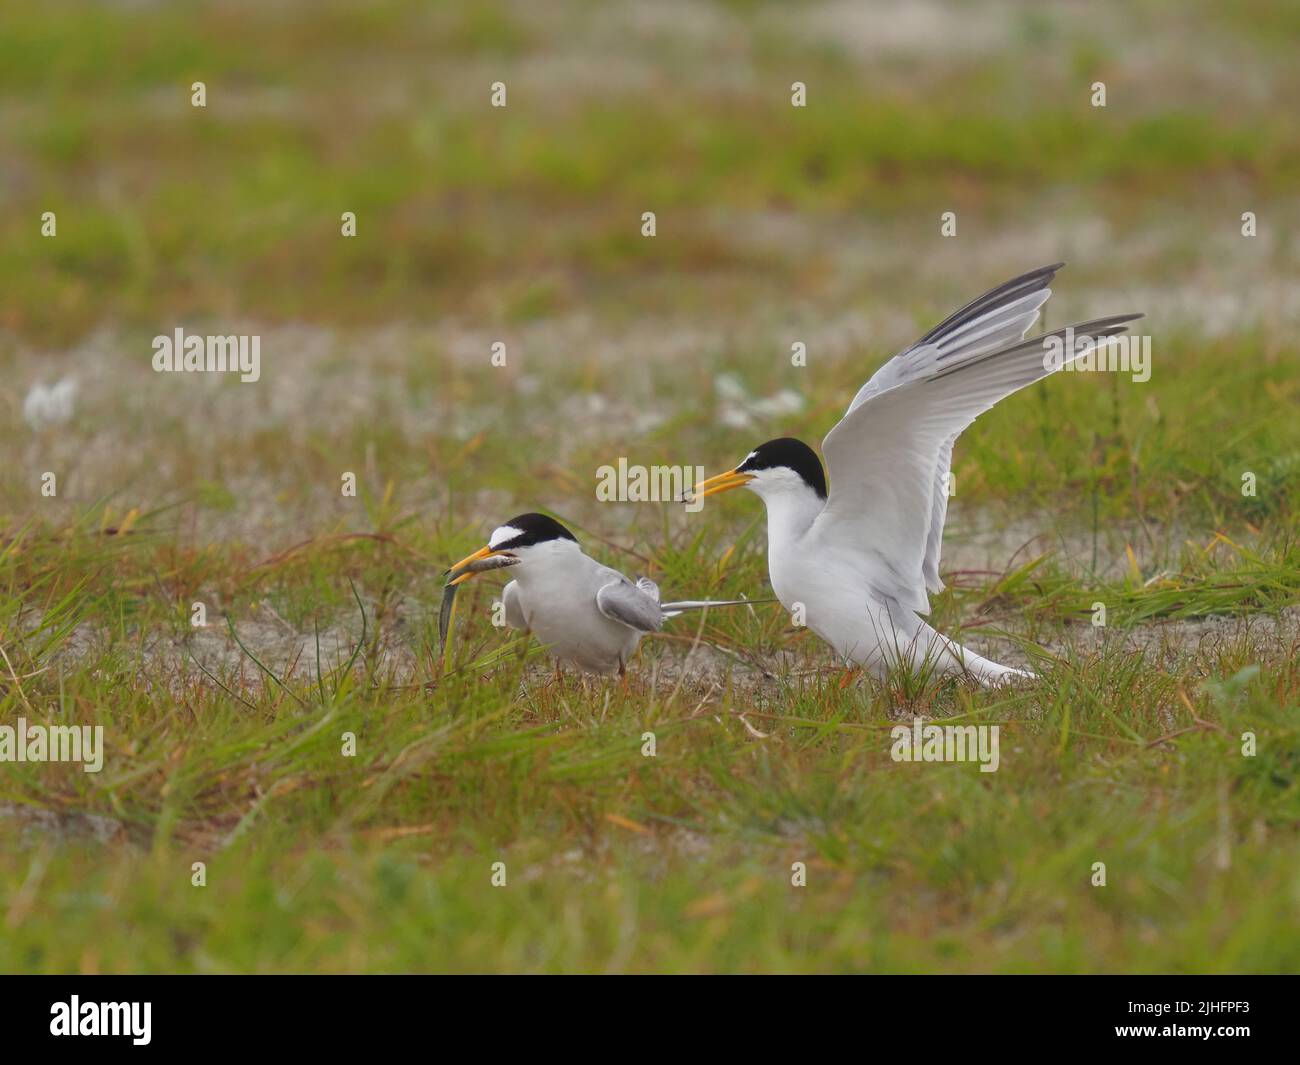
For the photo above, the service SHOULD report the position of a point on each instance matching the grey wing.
(649, 587)
(512, 600)
(938, 514)
(882, 457)
(626, 603)
(1001, 316)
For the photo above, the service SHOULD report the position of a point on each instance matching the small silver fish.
(482, 565)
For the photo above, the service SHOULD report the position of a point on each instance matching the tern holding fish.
(861, 555)
(586, 613)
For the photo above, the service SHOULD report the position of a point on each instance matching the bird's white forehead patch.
(503, 535)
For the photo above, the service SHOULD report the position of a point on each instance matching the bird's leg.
(622, 675)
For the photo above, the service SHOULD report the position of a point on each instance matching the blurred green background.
(522, 224)
(682, 108)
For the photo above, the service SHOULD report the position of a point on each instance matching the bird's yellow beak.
(723, 482)
(477, 556)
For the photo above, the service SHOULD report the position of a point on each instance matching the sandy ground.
(699, 668)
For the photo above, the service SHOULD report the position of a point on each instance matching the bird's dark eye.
(788, 453)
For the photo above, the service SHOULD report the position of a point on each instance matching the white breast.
(829, 586)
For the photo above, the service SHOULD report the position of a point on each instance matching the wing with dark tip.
(1000, 317)
(884, 456)
(624, 602)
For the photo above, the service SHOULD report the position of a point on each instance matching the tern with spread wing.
(586, 613)
(861, 557)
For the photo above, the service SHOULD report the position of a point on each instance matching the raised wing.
(999, 317)
(624, 602)
(883, 456)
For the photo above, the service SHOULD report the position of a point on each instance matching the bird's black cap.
(529, 529)
(792, 454)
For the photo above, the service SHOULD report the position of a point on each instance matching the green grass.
(225, 745)
(444, 185)
(682, 861)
